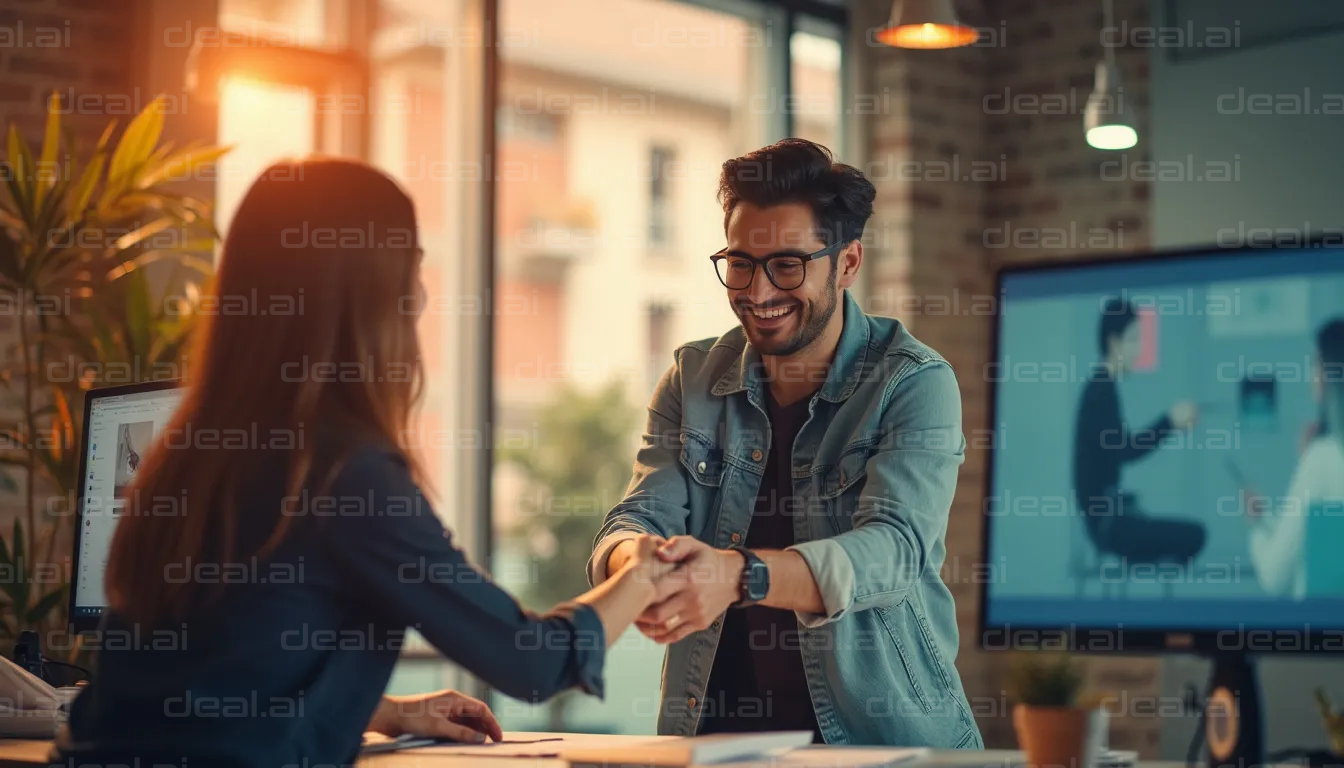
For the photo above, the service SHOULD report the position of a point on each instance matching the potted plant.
(77, 235)
(1334, 722)
(1054, 725)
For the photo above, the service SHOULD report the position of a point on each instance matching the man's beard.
(813, 324)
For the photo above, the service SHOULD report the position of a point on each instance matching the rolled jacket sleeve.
(901, 519)
(656, 500)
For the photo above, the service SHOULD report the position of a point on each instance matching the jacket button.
(691, 701)
(736, 537)
(701, 466)
(756, 455)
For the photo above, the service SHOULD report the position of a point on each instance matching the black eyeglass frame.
(763, 264)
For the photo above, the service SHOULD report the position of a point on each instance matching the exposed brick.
(30, 65)
(10, 91)
(1053, 181)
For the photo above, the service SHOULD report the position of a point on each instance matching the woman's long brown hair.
(310, 319)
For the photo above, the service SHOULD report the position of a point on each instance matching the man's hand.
(693, 596)
(445, 714)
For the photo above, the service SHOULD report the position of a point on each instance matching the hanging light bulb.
(1106, 118)
(926, 24)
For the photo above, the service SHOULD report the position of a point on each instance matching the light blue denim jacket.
(874, 470)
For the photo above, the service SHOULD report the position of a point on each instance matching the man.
(801, 468)
(1103, 444)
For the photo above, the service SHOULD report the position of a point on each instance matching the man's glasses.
(785, 271)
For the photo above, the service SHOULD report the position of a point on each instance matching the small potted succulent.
(1055, 726)
(1334, 722)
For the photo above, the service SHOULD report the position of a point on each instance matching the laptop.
(120, 425)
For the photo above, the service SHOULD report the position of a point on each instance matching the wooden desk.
(23, 753)
(18, 753)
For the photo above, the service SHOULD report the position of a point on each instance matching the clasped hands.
(693, 583)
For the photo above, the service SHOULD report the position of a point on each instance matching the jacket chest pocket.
(702, 459)
(839, 486)
(705, 467)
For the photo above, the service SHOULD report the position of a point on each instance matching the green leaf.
(136, 145)
(149, 257)
(17, 544)
(51, 144)
(82, 191)
(149, 230)
(45, 605)
(139, 310)
(21, 169)
(184, 163)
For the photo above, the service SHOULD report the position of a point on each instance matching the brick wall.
(994, 168)
(84, 47)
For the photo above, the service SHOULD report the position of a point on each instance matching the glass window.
(263, 122)
(661, 343)
(816, 76)
(661, 171)
(298, 23)
(603, 238)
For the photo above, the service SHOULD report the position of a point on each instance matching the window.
(815, 72)
(611, 121)
(660, 342)
(649, 97)
(661, 170)
(526, 126)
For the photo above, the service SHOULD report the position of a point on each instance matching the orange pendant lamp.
(926, 24)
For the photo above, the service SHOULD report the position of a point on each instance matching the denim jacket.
(874, 471)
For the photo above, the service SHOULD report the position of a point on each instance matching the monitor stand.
(1233, 728)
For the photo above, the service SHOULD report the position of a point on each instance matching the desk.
(18, 753)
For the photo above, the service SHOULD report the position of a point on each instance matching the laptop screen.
(122, 425)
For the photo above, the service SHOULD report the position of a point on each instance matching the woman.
(1278, 541)
(259, 625)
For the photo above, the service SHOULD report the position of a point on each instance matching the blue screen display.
(1168, 447)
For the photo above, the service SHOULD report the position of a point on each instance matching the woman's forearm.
(619, 600)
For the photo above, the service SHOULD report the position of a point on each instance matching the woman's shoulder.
(1325, 448)
(1323, 458)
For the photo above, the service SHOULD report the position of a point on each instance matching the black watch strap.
(754, 584)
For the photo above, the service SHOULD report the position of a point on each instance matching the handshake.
(693, 584)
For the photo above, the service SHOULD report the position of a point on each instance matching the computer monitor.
(1109, 525)
(120, 425)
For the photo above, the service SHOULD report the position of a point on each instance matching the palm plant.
(77, 238)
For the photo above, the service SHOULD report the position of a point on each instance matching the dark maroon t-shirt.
(757, 681)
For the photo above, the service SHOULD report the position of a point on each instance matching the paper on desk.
(526, 745)
(833, 757)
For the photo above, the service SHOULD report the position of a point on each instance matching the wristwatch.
(754, 584)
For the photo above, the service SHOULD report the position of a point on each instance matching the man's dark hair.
(800, 171)
(1330, 343)
(1116, 317)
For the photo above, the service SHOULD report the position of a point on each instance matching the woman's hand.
(645, 566)
(445, 714)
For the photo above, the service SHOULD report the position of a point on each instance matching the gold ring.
(672, 623)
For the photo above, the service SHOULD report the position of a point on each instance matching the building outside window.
(611, 119)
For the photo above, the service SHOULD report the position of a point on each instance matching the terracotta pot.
(1059, 737)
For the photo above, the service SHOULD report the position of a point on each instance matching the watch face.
(758, 581)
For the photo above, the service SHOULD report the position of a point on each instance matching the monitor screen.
(121, 425)
(1168, 444)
